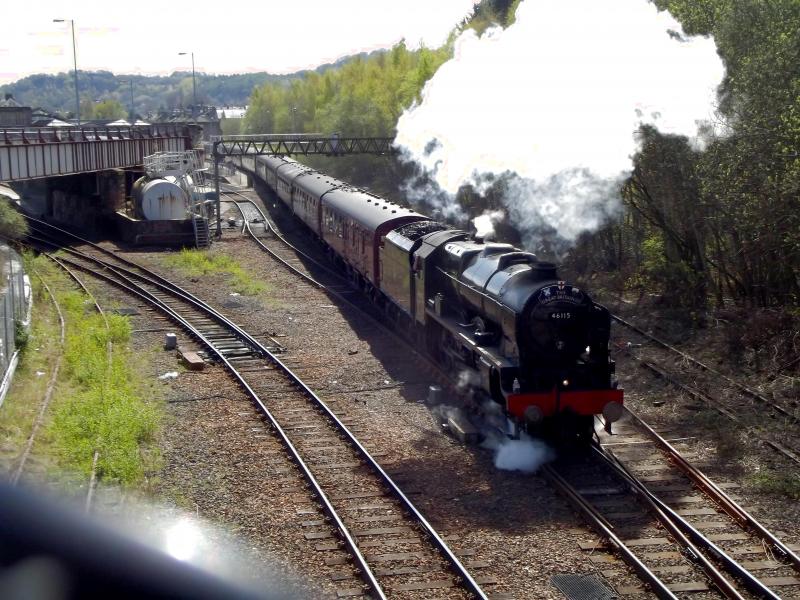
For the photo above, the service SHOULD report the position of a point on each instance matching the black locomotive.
(531, 342)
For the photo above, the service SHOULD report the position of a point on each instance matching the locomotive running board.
(464, 335)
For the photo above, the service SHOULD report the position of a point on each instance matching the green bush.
(102, 404)
(12, 224)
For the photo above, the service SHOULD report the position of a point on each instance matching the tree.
(230, 126)
(110, 110)
(87, 110)
(726, 221)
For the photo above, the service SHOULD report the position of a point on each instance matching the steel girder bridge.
(287, 144)
(40, 152)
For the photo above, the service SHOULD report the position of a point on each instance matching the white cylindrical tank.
(159, 199)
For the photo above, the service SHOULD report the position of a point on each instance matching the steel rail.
(48, 395)
(81, 285)
(338, 295)
(728, 504)
(716, 405)
(277, 234)
(109, 353)
(742, 388)
(658, 587)
(467, 579)
(670, 523)
(691, 538)
(285, 263)
(268, 223)
(155, 279)
(143, 294)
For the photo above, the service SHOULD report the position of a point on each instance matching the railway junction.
(310, 429)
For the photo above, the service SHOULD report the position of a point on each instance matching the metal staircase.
(202, 238)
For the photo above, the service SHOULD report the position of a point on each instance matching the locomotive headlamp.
(612, 412)
(565, 383)
(533, 414)
(560, 345)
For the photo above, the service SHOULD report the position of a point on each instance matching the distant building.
(206, 118)
(13, 114)
(231, 112)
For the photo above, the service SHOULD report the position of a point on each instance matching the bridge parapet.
(37, 152)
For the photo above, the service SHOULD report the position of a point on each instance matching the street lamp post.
(75, 61)
(132, 115)
(294, 119)
(194, 84)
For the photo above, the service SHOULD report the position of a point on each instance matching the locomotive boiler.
(530, 342)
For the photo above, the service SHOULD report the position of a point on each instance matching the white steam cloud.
(525, 454)
(557, 98)
(484, 223)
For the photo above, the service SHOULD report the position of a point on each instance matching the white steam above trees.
(557, 98)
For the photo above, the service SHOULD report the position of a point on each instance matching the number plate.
(561, 316)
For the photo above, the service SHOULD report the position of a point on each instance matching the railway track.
(389, 547)
(766, 403)
(48, 395)
(681, 532)
(93, 479)
(299, 262)
(692, 564)
(745, 407)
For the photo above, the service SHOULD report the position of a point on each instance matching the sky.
(277, 36)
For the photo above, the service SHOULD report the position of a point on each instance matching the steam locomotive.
(532, 343)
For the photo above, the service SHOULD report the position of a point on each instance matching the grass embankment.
(99, 404)
(199, 263)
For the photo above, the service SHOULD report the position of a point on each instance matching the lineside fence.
(16, 300)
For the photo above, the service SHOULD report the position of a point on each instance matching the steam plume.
(525, 454)
(484, 223)
(556, 99)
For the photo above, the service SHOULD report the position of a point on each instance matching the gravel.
(511, 526)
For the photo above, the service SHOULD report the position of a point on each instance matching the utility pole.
(194, 85)
(75, 62)
(132, 116)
